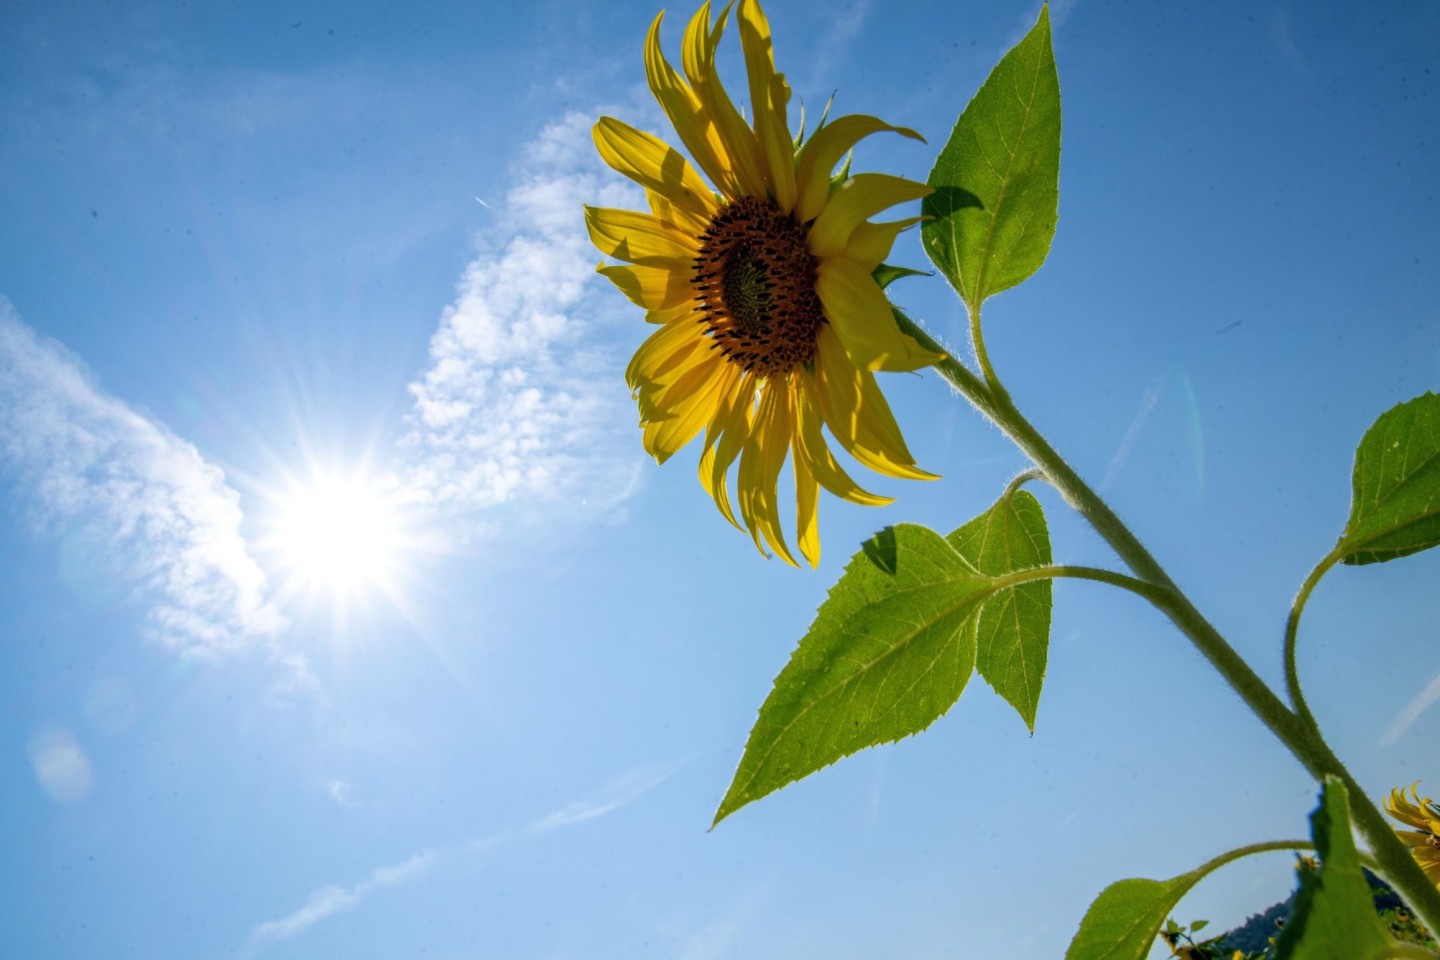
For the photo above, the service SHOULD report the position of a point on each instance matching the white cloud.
(834, 48)
(328, 901)
(333, 899)
(524, 403)
(1423, 701)
(1122, 453)
(342, 792)
(617, 793)
(163, 519)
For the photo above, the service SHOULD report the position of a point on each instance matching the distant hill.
(1253, 936)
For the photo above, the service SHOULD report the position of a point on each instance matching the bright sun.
(338, 534)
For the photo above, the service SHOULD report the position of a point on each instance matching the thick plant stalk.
(1301, 738)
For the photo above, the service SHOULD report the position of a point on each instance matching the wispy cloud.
(1122, 453)
(845, 26)
(617, 793)
(328, 901)
(1403, 721)
(334, 899)
(163, 518)
(523, 402)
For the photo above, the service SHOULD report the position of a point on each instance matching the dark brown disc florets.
(755, 278)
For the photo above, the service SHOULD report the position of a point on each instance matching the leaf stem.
(1292, 628)
(1409, 951)
(1230, 856)
(1144, 588)
(1020, 479)
(977, 340)
(1299, 737)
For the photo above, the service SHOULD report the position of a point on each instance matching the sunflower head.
(1423, 814)
(770, 324)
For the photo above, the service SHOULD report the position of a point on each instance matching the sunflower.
(771, 323)
(1423, 814)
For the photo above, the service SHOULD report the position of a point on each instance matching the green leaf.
(1396, 507)
(888, 273)
(889, 652)
(1334, 913)
(997, 181)
(1125, 919)
(1013, 638)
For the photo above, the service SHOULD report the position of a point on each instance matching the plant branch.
(1298, 736)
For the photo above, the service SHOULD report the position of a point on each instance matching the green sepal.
(887, 273)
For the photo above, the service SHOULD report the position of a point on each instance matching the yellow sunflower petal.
(853, 202)
(811, 447)
(690, 408)
(863, 319)
(857, 414)
(698, 58)
(760, 463)
(692, 121)
(691, 373)
(778, 146)
(725, 437)
(654, 164)
(692, 223)
(660, 353)
(681, 311)
(823, 150)
(639, 238)
(769, 98)
(807, 508)
(651, 287)
(871, 242)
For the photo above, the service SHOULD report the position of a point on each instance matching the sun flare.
(344, 535)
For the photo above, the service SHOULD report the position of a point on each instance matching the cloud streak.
(1403, 721)
(330, 900)
(163, 518)
(522, 404)
(617, 793)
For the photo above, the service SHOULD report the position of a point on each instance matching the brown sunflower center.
(755, 278)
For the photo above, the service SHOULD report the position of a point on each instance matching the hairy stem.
(1298, 736)
(1292, 628)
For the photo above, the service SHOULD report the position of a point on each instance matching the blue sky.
(250, 250)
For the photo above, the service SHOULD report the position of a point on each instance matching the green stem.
(982, 355)
(1299, 737)
(1020, 479)
(1410, 951)
(1292, 628)
(1210, 866)
(1145, 589)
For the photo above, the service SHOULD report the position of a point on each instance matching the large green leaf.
(992, 215)
(1013, 637)
(1396, 506)
(889, 652)
(1125, 919)
(1334, 913)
